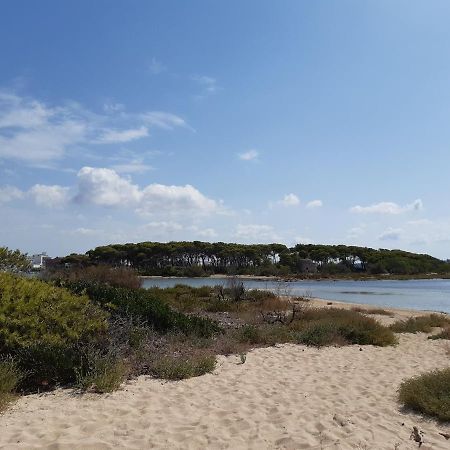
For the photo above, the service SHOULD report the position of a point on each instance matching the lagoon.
(432, 295)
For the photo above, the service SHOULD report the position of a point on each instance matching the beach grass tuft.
(428, 394)
(421, 324)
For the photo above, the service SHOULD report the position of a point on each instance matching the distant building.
(307, 266)
(38, 261)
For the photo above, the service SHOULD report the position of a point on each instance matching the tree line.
(203, 258)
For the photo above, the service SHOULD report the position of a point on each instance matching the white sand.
(284, 397)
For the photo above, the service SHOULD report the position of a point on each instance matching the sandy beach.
(283, 397)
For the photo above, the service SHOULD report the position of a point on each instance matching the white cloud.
(49, 196)
(290, 200)
(391, 234)
(250, 155)
(208, 84)
(163, 120)
(314, 204)
(105, 187)
(387, 208)
(35, 133)
(256, 233)
(113, 136)
(157, 198)
(156, 67)
(113, 107)
(10, 193)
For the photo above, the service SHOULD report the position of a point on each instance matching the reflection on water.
(431, 295)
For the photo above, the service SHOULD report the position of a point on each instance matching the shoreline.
(292, 279)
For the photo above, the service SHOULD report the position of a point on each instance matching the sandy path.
(282, 397)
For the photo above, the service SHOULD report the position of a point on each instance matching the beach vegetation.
(428, 394)
(43, 327)
(420, 324)
(101, 373)
(10, 378)
(13, 260)
(180, 368)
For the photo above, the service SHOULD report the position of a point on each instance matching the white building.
(38, 261)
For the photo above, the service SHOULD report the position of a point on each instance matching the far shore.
(317, 277)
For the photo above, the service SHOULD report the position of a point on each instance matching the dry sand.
(284, 397)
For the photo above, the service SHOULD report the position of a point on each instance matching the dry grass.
(444, 334)
(421, 324)
(10, 377)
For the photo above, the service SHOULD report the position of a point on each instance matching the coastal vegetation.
(13, 260)
(428, 394)
(92, 328)
(421, 324)
(195, 259)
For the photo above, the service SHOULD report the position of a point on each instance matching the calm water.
(433, 295)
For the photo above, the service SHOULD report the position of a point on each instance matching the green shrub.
(101, 374)
(43, 328)
(323, 326)
(428, 394)
(140, 304)
(179, 368)
(250, 334)
(10, 377)
(424, 324)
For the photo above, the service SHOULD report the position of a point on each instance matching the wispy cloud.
(207, 84)
(114, 136)
(256, 233)
(39, 134)
(10, 193)
(314, 204)
(250, 155)
(391, 234)
(387, 208)
(163, 120)
(156, 67)
(289, 200)
(49, 196)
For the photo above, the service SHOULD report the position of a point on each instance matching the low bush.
(428, 394)
(101, 374)
(424, 324)
(10, 377)
(323, 326)
(143, 306)
(179, 367)
(43, 328)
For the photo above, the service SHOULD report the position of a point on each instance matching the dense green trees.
(13, 260)
(203, 258)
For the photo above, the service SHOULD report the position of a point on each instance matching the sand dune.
(284, 397)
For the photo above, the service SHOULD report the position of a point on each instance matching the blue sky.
(247, 121)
